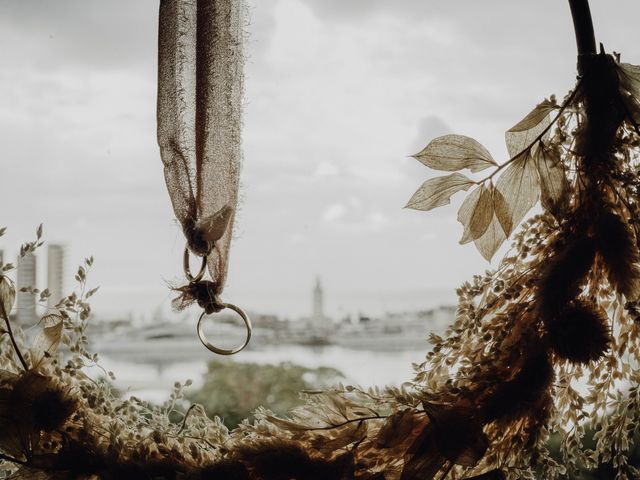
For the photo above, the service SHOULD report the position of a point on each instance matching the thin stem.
(563, 107)
(184, 420)
(330, 427)
(5, 316)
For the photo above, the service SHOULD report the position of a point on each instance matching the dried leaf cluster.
(546, 343)
(493, 210)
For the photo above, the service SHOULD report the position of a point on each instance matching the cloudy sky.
(339, 93)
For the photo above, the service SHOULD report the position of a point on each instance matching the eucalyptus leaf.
(455, 152)
(437, 192)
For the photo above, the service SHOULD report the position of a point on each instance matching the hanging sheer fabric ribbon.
(200, 85)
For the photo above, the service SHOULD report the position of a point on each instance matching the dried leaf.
(340, 438)
(523, 134)
(632, 106)
(47, 341)
(338, 405)
(475, 214)
(437, 192)
(423, 466)
(501, 211)
(290, 425)
(7, 296)
(535, 116)
(91, 292)
(553, 182)
(520, 187)
(396, 429)
(489, 243)
(455, 152)
(212, 228)
(629, 76)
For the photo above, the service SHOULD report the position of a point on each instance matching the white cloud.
(297, 238)
(377, 220)
(355, 202)
(326, 169)
(334, 212)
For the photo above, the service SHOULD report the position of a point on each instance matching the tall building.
(26, 302)
(318, 300)
(55, 273)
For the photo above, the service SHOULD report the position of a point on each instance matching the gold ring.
(187, 268)
(222, 351)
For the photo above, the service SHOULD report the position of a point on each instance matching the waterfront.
(154, 380)
(149, 357)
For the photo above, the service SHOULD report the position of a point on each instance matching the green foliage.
(233, 390)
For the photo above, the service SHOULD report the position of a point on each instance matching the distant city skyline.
(26, 306)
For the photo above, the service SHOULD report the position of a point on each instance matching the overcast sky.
(339, 93)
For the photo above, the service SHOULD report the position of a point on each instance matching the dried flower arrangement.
(547, 342)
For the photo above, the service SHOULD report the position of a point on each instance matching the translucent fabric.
(200, 85)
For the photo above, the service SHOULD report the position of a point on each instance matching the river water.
(154, 381)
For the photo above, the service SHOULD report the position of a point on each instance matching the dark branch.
(583, 26)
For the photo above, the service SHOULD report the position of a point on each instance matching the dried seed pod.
(580, 333)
